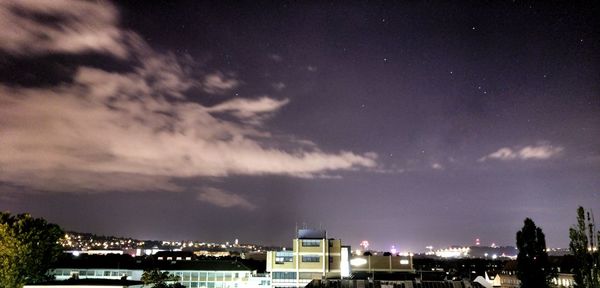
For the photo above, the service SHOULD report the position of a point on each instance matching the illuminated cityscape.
(289, 144)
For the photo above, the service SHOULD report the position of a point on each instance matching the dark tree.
(28, 247)
(584, 246)
(533, 268)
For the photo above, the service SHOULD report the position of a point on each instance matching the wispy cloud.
(541, 151)
(311, 68)
(133, 130)
(224, 199)
(437, 166)
(219, 83)
(33, 27)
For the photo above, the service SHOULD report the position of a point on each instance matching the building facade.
(315, 257)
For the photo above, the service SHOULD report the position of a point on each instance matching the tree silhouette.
(28, 247)
(584, 246)
(533, 268)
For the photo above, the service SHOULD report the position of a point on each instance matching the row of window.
(283, 275)
(311, 258)
(183, 276)
(89, 273)
(210, 276)
(305, 258)
(292, 275)
(311, 243)
(209, 285)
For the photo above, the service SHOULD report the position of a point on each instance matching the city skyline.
(406, 124)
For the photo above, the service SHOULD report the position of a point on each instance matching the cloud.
(278, 86)
(224, 199)
(251, 109)
(218, 83)
(34, 27)
(311, 68)
(540, 152)
(437, 166)
(136, 130)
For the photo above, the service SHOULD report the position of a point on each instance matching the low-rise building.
(191, 273)
(315, 257)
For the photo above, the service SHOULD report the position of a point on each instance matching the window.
(211, 276)
(284, 256)
(311, 258)
(311, 243)
(283, 275)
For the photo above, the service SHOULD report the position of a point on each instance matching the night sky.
(404, 123)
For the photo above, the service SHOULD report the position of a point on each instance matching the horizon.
(405, 124)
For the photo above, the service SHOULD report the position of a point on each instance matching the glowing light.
(358, 262)
(364, 244)
(393, 250)
(404, 262)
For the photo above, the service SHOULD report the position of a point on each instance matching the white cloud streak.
(541, 151)
(136, 130)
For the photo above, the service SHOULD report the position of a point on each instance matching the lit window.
(284, 256)
(311, 243)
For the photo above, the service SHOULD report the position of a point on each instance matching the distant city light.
(364, 244)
